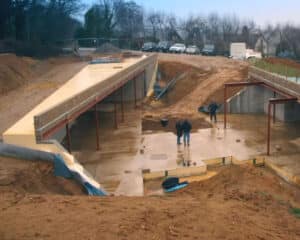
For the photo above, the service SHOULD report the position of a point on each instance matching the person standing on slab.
(186, 128)
(178, 127)
(213, 107)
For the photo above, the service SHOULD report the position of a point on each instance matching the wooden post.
(97, 129)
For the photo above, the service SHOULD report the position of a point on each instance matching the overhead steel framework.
(66, 122)
(272, 102)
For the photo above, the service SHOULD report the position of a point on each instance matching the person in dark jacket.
(178, 131)
(213, 107)
(186, 128)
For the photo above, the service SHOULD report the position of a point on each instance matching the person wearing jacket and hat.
(186, 128)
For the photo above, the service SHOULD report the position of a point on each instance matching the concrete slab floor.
(126, 151)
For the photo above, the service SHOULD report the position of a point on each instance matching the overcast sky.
(262, 11)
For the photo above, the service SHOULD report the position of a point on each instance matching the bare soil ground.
(24, 82)
(204, 83)
(33, 177)
(241, 202)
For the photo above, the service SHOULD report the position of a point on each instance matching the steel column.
(269, 129)
(145, 83)
(135, 94)
(97, 129)
(274, 109)
(46, 134)
(122, 103)
(68, 138)
(115, 115)
(273, 102)
(225, 107)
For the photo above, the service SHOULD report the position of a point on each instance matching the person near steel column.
(213, 107)
(186, 128)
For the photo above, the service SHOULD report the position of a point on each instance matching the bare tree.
(194, 28)
(292, 35)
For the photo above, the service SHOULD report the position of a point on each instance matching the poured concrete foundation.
(80, 93)
(255, 99)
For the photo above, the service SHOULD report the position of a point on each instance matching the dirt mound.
(14, 71)
(203, 83)
(31, 177)
(283, 61)
(224, 207)
(170, 70)
(246, 183)
(184, 86)
(107, 48)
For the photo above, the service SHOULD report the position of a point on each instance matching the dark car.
(149, 47)
(163, 46)
(209, 50)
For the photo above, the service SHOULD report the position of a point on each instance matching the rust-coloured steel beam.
(241, 84)
(235, 84)
(75, 115)
(115, 115)
(145, 83)
(225, 107)
(122, 103)
(282, 93)
(274, 109)
(282, 100)
(135, 93)
(269, 128)
(274, 101)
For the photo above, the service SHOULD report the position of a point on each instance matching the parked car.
(149, 47)
(163, 46)
(192, 50)
(177, 48)
(208, 50)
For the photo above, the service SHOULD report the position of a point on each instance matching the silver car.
(177, 48)
(192, 50)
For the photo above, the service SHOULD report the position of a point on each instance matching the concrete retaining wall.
(275, 80)
(46, 120)
(255, 99)
(143, 84)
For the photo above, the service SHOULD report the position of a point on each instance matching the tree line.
(48, 21)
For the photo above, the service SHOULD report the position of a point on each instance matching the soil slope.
(24, 82)
(241, 202)
(204, 83)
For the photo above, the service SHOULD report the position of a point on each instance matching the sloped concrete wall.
(143, 85)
